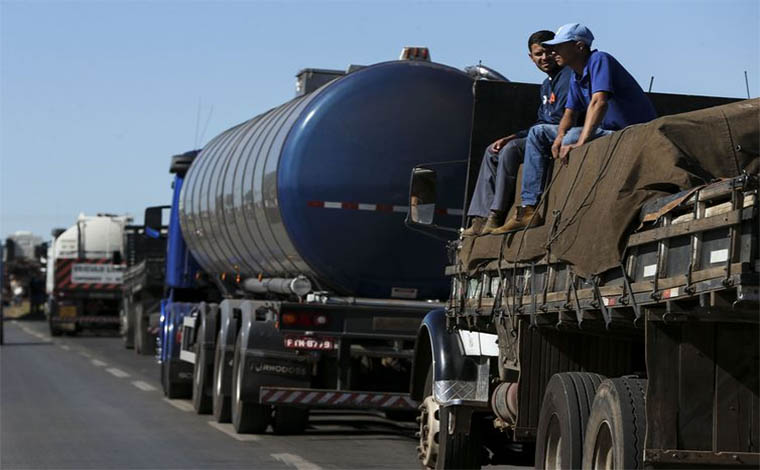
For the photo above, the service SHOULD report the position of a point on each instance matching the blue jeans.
(538, 152)
(497, 179)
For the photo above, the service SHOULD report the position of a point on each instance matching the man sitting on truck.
(498, 171)
(600, 86)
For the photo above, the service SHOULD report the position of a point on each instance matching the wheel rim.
(604, 457)
(124, 327)
(430, 426)
(238, 380)
(218, 378)
(553, 445)
(199, 360)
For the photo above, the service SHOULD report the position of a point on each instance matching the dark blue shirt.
(554, 91)
(627, 103)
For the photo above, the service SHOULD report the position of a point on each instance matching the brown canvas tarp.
(593, 203)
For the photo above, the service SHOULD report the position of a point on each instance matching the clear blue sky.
(96, 96)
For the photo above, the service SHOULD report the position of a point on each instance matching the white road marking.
(117, 372)
(85, 354)
(230, 431)
(98, 363)
(65, 347)
(180, 404)
(144, 386)
(296, 461)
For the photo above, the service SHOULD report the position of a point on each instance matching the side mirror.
(422, 196)
(422, 201)
(154, 217)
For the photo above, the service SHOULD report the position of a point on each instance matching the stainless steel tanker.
(318, 186)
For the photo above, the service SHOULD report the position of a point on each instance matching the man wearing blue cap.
(600, 86)
(495, 188)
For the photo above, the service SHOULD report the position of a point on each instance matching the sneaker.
(524, 217)
(476, 226)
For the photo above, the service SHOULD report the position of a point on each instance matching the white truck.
(84, 274)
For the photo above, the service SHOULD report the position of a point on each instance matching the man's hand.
(499, 144)
(564, 152)
(556, 146)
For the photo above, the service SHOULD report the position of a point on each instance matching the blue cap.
(571, 32)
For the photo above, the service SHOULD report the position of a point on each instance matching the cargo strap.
(600, 300)
(629, 294)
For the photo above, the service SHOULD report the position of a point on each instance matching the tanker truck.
(295, 220)
(623, 331)
(84, 273)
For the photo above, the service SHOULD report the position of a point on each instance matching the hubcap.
(218, 381)
(604, 457)
(553, 453)
(197, 370)
(430, 426)
(238, 381)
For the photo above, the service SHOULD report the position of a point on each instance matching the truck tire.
(54, 331)
(144, 342)
(173, 389)
(220, 402)
(617, 425)
(441, 447)
(290, 420)
(127, 323)
(203, 374)
(562, 421)
(247, 417)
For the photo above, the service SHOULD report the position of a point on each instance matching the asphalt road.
(86, 402)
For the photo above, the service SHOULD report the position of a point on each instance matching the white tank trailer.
(85, 265)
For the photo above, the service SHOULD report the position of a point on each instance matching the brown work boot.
(524, 217)
(495, 220)
(476, 226)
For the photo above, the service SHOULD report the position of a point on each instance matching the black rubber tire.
(220, 401)
(618, 423)
(173, 389)
(53, 330)
(289, 420)
(145, 343)
(247, 417)
(203, 375)
(127, 324)
(460, 449)
(564, 412)
(463, 447)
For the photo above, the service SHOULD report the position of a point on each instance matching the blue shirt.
(554, 91)
(627, 103)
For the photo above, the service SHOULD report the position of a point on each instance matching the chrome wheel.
(553, 456)
(430, 426)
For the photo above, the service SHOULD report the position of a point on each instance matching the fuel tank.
(319, 185)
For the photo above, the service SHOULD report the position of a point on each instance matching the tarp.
(593, 203)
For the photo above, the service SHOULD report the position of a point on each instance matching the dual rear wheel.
(587, 421)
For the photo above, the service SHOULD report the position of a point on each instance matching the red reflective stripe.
(350, 205)
(385, 207)
(315, 204)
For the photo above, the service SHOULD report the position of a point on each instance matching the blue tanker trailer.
(292, 280)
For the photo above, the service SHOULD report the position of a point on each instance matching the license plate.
(309, 342)
(67, 311)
